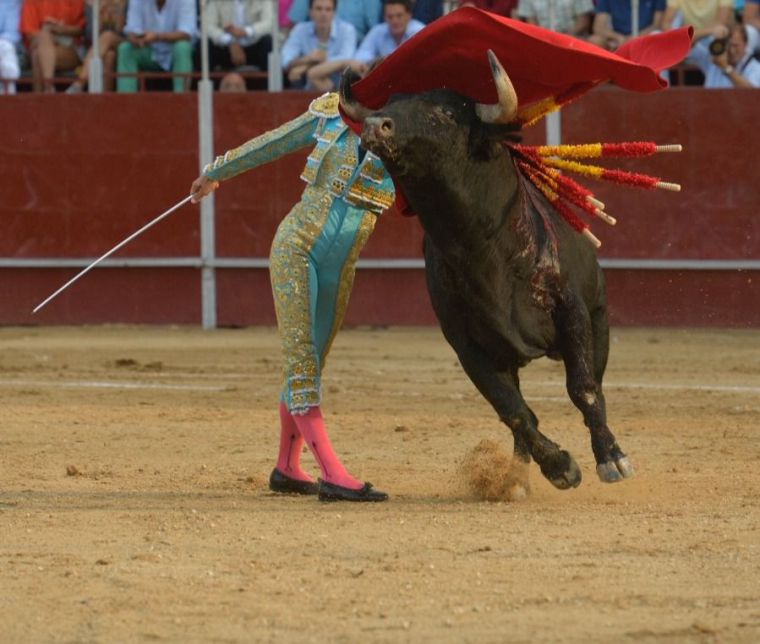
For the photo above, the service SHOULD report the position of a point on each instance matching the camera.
(718, 46)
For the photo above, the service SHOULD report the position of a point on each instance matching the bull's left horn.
(353, 109)
(506, 109)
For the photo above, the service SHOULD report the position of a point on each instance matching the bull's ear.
(487, 141)
(511, 132)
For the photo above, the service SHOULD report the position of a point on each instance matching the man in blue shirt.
(362, 14)
(735, 66)
(383, 39)
(613, 25)
(160, 37)
(315, 52)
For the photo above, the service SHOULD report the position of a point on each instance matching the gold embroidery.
(326, 105)
(327, 136)
(330, 171)
(370, 197)
(289, 269)
(269, 146)
(372, 168)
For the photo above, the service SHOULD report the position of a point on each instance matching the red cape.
(451, 53)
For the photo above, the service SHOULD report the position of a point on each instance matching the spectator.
(703, 15)
(10, 15)
(159, 38)
(112, 17)
(362, 14)
(316, 51)
(52, 30)
(735, 66)
(571, 17)
(232, 82)
(240, 33)
(427, 10)
(751, 16)
(501, 7)
(612, 24)
(383, 39)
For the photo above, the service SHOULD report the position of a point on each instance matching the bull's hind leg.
(501, 389)
(584, 344)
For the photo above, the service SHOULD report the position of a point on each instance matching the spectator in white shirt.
(316, 51)
(239, 32)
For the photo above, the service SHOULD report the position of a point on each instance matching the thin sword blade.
(112, 251)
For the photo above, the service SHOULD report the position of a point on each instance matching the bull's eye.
(442, 115)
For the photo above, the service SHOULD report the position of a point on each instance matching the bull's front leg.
(501, 389)
(584, 342)
(499, 385)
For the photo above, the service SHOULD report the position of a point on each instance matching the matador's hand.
(201, 187)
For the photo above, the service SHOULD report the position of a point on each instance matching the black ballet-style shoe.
(332, 492)
(278, 482)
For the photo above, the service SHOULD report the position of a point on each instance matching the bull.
(509, 280)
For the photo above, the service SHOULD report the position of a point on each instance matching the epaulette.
(326, 106)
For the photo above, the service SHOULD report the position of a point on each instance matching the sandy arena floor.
(134, 506)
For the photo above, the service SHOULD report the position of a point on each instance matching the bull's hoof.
(614, 471)
(562, 471)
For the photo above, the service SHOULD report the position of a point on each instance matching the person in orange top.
(52, 30)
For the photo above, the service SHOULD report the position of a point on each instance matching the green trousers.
(132, 59)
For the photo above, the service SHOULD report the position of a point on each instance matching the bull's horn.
(353, 109)
(506, 109)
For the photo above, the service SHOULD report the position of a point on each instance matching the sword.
(113, 250)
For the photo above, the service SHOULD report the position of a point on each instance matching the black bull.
(509, 279)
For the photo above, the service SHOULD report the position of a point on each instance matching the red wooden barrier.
(79, 173)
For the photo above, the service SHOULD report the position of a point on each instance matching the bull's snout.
(378, 128)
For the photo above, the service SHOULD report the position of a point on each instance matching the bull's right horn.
(353, 109)
(506, 109)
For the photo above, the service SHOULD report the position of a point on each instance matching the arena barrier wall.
(79, 173)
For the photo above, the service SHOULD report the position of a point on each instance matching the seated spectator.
(613, 26)
(751, 16)
(159, 38)
(735, 65)
(10, 14)
(501, 7)
(571, 17)
(240, 33)
(703, 15)
(316, 52)
(232, 82)
(362, 14)
(383, 39)
(52, 30)
(427, 10)
(112, 18)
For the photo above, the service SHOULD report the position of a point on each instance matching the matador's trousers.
(312, 267)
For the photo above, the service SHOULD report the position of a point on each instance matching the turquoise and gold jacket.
(364, 184)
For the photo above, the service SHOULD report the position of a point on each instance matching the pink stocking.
(312, 428)
(291, 443)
